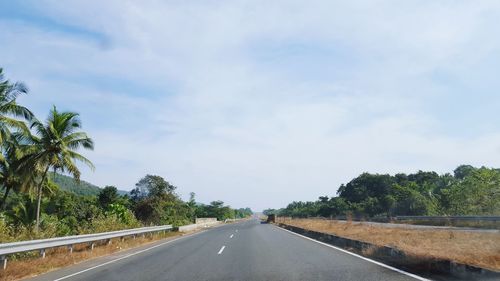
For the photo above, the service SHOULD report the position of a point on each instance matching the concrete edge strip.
(358, 256)
(126, 256)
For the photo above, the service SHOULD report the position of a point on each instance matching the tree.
(108, 195)
(54, 145)
(369, 193)
(476, 194)
(216, 209)
(9, 158)
(11, 176)
(323, 206)
(151, 186)
(71, 210)
(366, 185)
(301, 209)
(8, 107)
(463, 171)
(337, 206)
(268, 212)
(191, 204)
(22, 211)
(155, 202)
(243, 212)
(410, 202)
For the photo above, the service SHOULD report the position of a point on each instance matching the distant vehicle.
(271, 218)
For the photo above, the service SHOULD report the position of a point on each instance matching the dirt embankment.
(473, 248)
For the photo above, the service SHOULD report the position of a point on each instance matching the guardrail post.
(92, 244)
(3, 259)
(70, 247)
(42, 253)
(109, 242)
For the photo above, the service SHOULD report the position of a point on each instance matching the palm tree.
(54, 145)
(12, 176)
(22, 212)
(8, 107)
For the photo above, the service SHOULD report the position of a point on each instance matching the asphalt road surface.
(242, 251)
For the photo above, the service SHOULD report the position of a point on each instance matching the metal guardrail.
(43, 244)
(459, 218)
(422, 218)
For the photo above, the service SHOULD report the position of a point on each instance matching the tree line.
(468, 191)
(35, 153)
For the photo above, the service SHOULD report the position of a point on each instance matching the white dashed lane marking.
(221, 250)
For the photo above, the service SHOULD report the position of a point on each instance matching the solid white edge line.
(221, 250)
(358, 256)
(124, 257)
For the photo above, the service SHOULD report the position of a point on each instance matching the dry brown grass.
(473, 248)
(60, 257)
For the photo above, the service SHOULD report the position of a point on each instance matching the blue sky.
(260, 103)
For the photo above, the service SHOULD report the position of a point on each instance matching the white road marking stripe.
(361, 257)
(231, 236)
(124, 257)
(221, 250)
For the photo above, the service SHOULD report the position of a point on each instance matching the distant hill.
(82, 188)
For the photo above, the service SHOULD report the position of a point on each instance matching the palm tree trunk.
(39, 199)
(2, 204)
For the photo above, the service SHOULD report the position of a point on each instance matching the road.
(241, 251)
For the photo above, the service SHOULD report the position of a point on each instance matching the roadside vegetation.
(38, 200)
(468, 191)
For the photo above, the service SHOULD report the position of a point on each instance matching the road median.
(391, 254)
